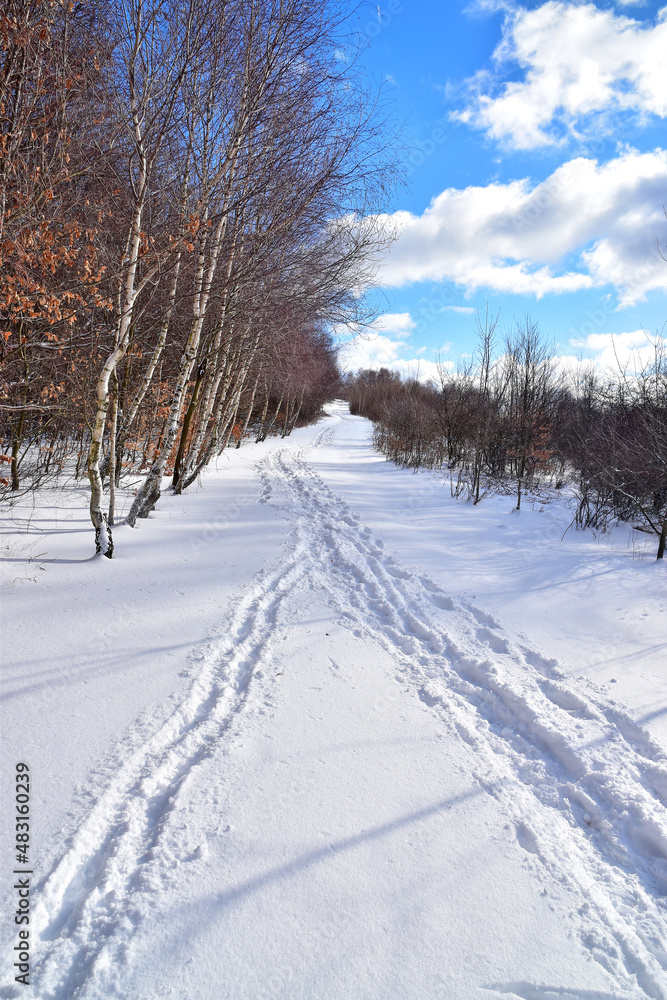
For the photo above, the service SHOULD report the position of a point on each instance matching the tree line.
(512, 419)
(188, 193)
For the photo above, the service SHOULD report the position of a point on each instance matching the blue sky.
(536, 176)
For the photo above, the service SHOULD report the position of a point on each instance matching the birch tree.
(157, 41)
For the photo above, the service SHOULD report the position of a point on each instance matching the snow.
(320, 730)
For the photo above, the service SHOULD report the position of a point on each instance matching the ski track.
(584, 787)
(102, 888)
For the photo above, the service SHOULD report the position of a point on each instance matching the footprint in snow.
(496, 642)
(397, 573)
(527, 839)
(483, 618)
(445, 603)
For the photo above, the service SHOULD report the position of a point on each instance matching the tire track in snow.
(90, 905)
(584, 787)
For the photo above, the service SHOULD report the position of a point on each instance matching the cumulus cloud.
(379, 345)
(602, 220)
(577, 61)
(383, 345)
(400, 325)
(629, 351)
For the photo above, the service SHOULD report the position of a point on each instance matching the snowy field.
(318, 730)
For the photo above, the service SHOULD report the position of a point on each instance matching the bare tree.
(529, 373)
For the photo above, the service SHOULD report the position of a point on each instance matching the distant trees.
(188, 192)
(512, 419)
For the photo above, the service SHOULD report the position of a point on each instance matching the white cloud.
(578, 60)
(383, 345)
(400, 325)
(603, 220)
(369, 351)
(619, 351)
(379, 345)
(422, 369)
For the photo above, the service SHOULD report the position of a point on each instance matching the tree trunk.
(273, 420)
(112, 453)
(157, 354)
(17, 437)
(127, 295)
(260, 432)
(249, 414)
(187, 421)
(103, 536)
(149, 494)
(663, 539)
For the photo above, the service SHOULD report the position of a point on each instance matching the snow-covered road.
(366, 785)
